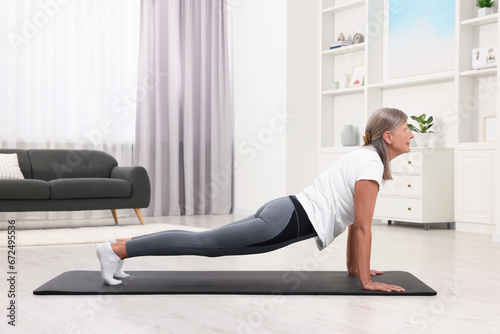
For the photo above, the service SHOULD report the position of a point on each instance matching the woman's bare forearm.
(351, 256)
(364, 243)
(365, 196)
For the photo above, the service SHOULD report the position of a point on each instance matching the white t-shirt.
(329, 201)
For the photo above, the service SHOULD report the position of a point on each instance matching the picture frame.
(490, 128)
(357, 76)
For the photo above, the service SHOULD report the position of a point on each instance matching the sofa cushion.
(23, 159)
(70, 164)
(24, 189)
(9, 167)
(89, 188)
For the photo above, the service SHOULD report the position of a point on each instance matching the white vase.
(484, 11)
(349, 137)
(422, 139)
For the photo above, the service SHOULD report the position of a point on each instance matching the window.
(68, 72)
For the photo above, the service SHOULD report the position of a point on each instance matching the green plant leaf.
(485, 3)
(423, 124)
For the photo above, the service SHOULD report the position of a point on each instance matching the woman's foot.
(109, 262)
(119, 273)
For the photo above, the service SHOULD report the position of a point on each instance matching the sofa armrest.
(141, 187)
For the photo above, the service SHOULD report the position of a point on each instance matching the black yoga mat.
(231, 282)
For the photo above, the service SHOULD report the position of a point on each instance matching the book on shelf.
(338, 44)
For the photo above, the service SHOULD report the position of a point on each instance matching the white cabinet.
(475, 191)
(421, 190)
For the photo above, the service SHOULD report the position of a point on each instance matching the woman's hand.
(378, 286)
(375, 272)
(372, 273)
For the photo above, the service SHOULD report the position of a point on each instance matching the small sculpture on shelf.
(341, 41)
(358, 38)
(490, 58)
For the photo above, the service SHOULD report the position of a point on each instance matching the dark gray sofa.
(72, 180)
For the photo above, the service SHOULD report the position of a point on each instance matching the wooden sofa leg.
(115, 216)
(139, 215)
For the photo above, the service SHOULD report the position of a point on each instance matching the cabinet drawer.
(407, 163)
(393, 208)
(403, 185)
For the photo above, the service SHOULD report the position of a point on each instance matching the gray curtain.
(184, 117)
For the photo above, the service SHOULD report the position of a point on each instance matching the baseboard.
(475, 228)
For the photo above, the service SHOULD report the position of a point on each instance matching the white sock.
(119, 273)
(109, 261)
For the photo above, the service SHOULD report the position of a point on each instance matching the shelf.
(475, 73)
(477, 21)
(344, 91)
(344, 49)
(417, 80)
(339, 8)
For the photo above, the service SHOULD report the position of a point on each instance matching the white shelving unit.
(344, 91)
(477, 98)
(345, 49)
(348, 17)
(474, 32)
(472, 94)
(471, 32)
(478, 21)
(486, 71)
(342, 7)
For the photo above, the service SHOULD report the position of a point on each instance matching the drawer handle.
(409, 209)
(409, 186)
(409, 162)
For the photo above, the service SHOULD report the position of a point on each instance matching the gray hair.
(380, 121)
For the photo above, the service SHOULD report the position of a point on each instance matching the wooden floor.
(464, 269)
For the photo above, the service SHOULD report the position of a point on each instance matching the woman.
(342, 197)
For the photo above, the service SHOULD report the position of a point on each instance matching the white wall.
(302, 99)
(276, 102)
(259, 54)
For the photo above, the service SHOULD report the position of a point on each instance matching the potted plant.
(485, 7)
(422, 133)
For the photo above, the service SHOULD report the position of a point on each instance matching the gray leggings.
(276, 224)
